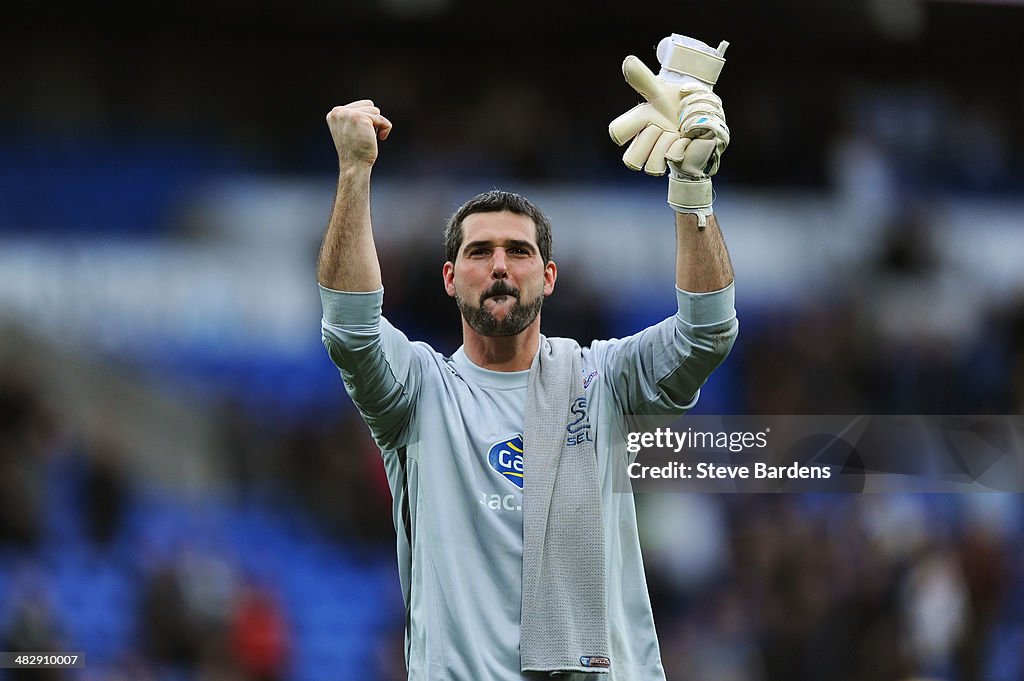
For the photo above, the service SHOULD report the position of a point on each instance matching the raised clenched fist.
(356, 127)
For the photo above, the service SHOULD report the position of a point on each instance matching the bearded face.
(506, 316)
(499, 278)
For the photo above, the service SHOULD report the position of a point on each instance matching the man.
(517, 560)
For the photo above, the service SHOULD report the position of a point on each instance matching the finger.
(700, 133)
(678, 148)
(626, 126)
(640, 150)
(656, 161)
(343, 111)
(382, 126)
(361, 102)
(640, 77)
(695, 161)
(372, 110)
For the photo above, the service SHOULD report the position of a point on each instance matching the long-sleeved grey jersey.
(450, 433)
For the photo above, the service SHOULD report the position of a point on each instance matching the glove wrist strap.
(690, 61)
(691, 196)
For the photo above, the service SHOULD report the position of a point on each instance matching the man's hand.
(656, 127)
(681, 126)
(356, 127)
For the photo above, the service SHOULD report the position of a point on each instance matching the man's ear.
(448, 272)
(550, 275)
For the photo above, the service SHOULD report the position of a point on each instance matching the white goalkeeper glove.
(681, 126)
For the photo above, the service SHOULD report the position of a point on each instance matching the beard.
(485, 323)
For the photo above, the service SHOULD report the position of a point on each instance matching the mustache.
(500, 288)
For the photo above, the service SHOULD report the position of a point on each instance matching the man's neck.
(502, 353)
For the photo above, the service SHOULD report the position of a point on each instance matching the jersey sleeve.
(659, 371)
(378, 364)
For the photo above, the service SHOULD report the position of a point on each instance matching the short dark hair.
(496, 201)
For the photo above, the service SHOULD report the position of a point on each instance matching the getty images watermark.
(826, 454)
(732, 442)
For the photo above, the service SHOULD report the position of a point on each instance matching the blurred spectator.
(686, 555)
(169, 633)
(937, 609)
(105, 493)
(813, 360)
(1016, 359)
(863, 175)
(186, 609)
(984, 564)
(208, 583)
(390, 654)
(336, 468)
(258, 635)
(32, 629)
(716, 643)
(25, 430)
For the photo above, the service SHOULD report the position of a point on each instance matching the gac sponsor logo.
(499, 502)
(506, 457)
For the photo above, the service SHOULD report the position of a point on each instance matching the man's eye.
(520, 251)
(478, 251)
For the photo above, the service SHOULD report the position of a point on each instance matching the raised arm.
(377, 362)
(348, 257)
(680, 128)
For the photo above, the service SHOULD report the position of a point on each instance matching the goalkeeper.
(516, 559)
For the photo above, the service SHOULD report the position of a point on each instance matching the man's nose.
(499, 266)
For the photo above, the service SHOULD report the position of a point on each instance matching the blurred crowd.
(886, 342)
(474, 95)
(854, 588)
(65, 527)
